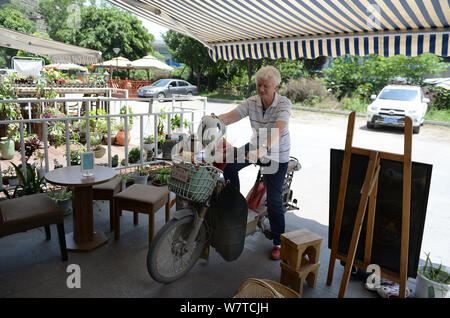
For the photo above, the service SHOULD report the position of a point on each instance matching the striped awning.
(239, 29)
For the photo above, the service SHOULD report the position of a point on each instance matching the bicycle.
(188, 235)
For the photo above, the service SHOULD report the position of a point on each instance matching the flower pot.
(65, 205)
(99, 152)
(112, 138)
(120, 138)
(13, 181)
(141, 179)
(426, 288)
(148, 147)
(7, 148)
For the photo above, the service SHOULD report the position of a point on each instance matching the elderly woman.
(269, 118)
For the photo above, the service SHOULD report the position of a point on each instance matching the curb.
(329, 111)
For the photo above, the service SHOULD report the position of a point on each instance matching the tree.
(14, 20)
(99, 28)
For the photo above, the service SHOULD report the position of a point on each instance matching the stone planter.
(99, 152)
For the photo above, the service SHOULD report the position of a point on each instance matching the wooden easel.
(369, 193)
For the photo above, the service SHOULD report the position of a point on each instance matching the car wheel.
(370, 125)
(161, 97)
(189, 94)
(416, 129)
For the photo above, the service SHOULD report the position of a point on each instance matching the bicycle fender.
(182, 213)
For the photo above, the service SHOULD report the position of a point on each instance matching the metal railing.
(87, 116)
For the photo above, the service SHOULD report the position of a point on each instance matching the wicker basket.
(264, 288)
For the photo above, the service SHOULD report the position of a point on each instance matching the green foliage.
(8, 111)
(101, 28)
(127, 110)
(15, 20)
(354, 104)
(442, 99)
(364, 76)
(31, 184)
(303, 90)
(435, 274)
(134, 155)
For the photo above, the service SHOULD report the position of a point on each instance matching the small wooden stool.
(296, 279)
(300, 248)
(141, 198)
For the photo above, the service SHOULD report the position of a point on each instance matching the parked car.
(395, 102)
(167, 87)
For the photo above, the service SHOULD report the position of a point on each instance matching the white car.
(395, 102)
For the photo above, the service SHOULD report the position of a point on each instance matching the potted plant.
(149, 143)
(31, 184)
(63, 198)
(99, 151)
(161, 177)
(432, 281)
(125, 176)
(115, 161)
(40, 156)
(10, 174)
(120, 137)
(141, 176)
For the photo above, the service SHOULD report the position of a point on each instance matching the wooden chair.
(141, 198)
(29, 212)
(107, 191)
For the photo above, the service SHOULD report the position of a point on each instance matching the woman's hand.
(254, 155)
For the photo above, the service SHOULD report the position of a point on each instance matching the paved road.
(312, 136)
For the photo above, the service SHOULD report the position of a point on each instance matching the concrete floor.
(30, 266)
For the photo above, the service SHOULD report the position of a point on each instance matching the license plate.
(390, 120)
(180, 174)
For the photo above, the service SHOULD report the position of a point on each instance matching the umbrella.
(150, 61)
(66, 67)
(118, 62)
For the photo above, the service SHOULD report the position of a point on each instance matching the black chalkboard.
(388, 213)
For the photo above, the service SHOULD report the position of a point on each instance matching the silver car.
(167, 87)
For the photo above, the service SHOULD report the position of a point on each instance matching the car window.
(160, 83)
(181, 83)
(399, 94)
(173, 84)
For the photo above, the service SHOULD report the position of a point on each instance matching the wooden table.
(83, 238)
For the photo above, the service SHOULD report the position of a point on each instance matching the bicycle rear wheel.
(167, 259)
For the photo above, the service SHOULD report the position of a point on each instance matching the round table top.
(72, 176)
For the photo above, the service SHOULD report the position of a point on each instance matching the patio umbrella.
(66, 67)
(150, 62)
(117, 62)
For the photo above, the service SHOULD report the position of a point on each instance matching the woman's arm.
(231, 117)
(254, 155)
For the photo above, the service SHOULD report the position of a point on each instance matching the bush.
(304, 90)
(442, 99)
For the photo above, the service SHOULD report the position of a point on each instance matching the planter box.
(426, 288)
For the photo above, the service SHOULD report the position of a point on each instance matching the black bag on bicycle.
(229, 223)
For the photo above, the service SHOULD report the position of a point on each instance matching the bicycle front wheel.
(167, 258)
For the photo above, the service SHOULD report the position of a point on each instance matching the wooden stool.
(296, 279)
(141, 198)
(300, 248)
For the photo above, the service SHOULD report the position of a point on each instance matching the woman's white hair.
(267, 72)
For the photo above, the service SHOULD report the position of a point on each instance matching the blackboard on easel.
(366, 209)
(388, 213)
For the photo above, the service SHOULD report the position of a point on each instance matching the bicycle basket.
(193, 182)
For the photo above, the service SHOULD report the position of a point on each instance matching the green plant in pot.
(141, 176)
(115, 161)
(10, 174)
(149, 143)
(63, 198)
(30, 184)
(120, 137)
(432, 281)
(162, 176)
